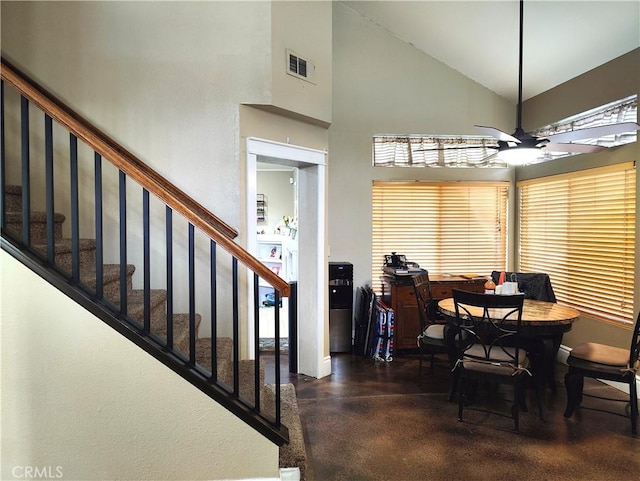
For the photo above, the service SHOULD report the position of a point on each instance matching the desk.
(543, 324)
(398, 293)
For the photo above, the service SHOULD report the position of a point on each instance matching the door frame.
(313, 331)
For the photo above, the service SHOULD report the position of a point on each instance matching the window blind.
(580, 229)
(435, 151)
(446, 227)
(468, 151)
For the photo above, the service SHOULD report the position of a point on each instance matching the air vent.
(300, 67)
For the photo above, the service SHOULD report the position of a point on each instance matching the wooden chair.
(431, 339)
(489, 347)
(601, 361)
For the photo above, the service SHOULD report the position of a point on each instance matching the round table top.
(533, 312)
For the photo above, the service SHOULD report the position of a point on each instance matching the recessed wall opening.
(312, 344)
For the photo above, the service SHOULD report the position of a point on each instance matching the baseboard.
(563, 354)
(325, 367)
(286, 474)
(289, 474)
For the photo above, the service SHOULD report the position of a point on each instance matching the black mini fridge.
(340, 306)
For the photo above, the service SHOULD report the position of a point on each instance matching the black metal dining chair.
(600, 361)
(489, 348)
(431, 339)
(537, 286)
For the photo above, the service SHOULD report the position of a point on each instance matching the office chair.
(489, 347)
(600, 361)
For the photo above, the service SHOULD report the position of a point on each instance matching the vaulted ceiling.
(480, 39)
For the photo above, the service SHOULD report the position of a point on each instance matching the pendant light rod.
(519, 109)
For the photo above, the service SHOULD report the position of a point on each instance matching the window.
(580, 229)
(477, 151)
(418, 151)
(446, 227)
(620, 111)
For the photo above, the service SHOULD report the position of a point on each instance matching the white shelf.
(284, 251)
(268, 260)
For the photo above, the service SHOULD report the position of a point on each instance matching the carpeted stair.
(292, 455)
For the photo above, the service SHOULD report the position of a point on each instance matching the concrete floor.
(374, 421)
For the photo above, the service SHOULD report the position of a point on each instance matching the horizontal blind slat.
(445, 227)
(580, 229)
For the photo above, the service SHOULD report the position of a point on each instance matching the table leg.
(545, 353)
(452, 352)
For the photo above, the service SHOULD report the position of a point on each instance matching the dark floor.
(375, 421)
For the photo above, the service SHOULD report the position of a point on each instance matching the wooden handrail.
(144, 175)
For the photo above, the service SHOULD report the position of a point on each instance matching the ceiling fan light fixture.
(519, 155)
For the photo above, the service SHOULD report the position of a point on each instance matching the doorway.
(277, 245)
(313, 336)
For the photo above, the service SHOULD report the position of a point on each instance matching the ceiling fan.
(521, 147)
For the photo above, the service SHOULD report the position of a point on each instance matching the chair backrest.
(424, 299)
(491, 321)
(634, 352)
(534, 285)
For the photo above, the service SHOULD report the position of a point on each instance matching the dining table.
(543, 325)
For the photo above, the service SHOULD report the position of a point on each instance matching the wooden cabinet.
(397, 293)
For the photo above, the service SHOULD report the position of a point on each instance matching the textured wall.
(77, 395)
(383, 85)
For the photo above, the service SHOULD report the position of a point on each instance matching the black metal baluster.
(3, 185)
(146, 261)
(192, 296)
(48, 160)
(277, 353)
(256, 337)
(236, 328)
(97, 161)
(75, 217)
(214, 311)
(123, 242)
(169, 250)
(26, 177)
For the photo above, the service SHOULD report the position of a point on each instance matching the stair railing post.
(123, 242)
(26, 176)
(3, 178)
(214, 309)
(48, 160)
(192, 296)
(169, 264)
(97, 162)
(146, 247)
(75, 215)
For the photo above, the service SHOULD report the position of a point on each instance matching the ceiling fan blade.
(498, 134)
(491, 158)
(577, 148)
(594, 132)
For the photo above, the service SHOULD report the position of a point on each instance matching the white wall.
(280, 196)
(167, 80)
(77, 395)
(305, 28)
(383, 85)
(164, 78)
